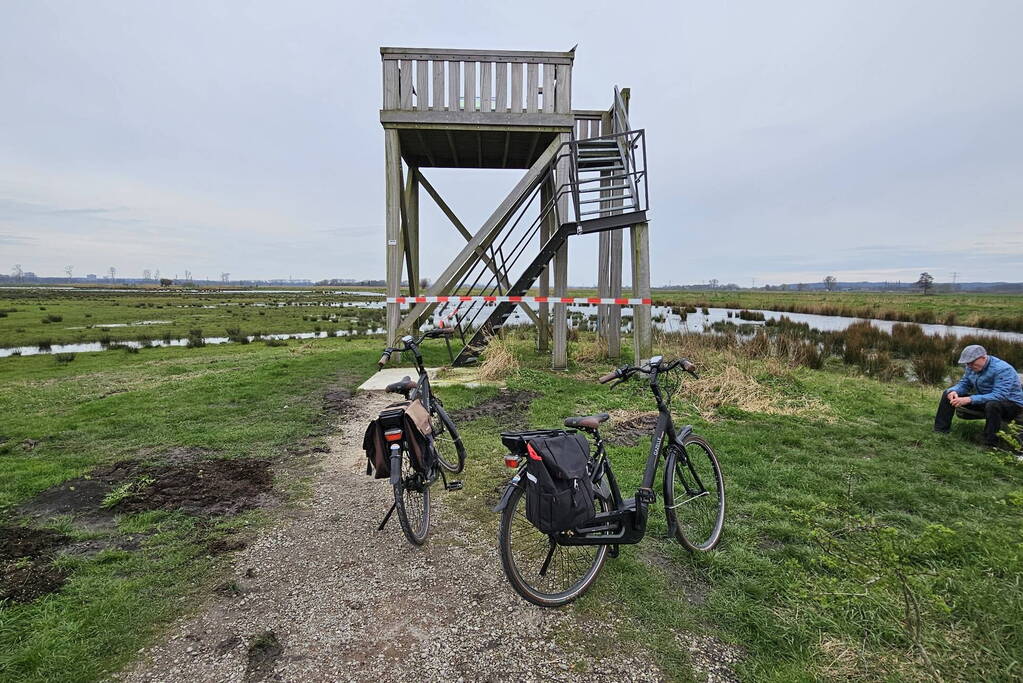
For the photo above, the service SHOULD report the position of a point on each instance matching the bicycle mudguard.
(683, 433)
(509, 489)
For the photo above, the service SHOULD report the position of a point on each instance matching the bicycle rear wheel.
(412, 501)
(446, 442)
(539, 569)
(694, 494)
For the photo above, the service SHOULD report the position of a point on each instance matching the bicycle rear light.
(511, 460)
(393, 435)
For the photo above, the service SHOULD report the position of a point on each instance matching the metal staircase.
(591, 185)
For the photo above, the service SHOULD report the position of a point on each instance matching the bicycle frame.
(625, 522)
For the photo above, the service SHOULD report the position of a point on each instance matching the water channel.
(665, 319)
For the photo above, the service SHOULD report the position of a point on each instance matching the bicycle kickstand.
(388, 517)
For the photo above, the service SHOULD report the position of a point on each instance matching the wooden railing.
(477, 81)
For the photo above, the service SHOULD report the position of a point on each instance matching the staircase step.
(608, 199)
(605, 188)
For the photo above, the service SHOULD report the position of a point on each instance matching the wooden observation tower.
(585, 173)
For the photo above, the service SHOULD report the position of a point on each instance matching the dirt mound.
(337, 400)
(630, 430)
(26, 571)
(196, 486)
(210, 487)
(510, 409)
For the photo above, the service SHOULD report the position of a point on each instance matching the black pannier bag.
(559, 490)
(414, 421)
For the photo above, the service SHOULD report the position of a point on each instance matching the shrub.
(195, 339)
(751, 315)
(275, 342)
(44, 344)
(931, 368)
(63, 358)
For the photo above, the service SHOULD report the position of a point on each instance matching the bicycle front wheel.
(539, 569)
(694, 494)
(412, 502)
(446, 442)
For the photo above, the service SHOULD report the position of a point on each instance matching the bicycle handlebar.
(411, 345)
(384, 359)
(626, 371)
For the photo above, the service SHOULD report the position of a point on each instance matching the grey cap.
(972, 353)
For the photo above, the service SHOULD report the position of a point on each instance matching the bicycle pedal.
(453, 485)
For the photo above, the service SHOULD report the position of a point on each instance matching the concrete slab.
(381, 379)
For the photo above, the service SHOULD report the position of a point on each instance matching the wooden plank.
(507, 144)
(392, 223)
(454, 86)
(614, 317)
(595, 128)
(470, 86)
(532, 88)
(501, 87)
(405, 85)
(516, 87)
(411, 209)
(390, 53)
(563, 98)
(406, 238)
(437, 100)
(422, 85)
(547, 227)
(478, 118)
(603, 284)
(548, 88)
(642, 337)
(390, 85)
(486, 87)
(467, 258)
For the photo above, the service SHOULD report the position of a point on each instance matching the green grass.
(833, 519)
(64, 317)
(991, 311)
(235, 401)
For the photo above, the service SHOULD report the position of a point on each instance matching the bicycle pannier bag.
(414, 421)
(559, 490)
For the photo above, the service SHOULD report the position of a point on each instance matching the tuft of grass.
(63, 358)
(499, 360)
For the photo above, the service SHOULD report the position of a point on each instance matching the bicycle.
(551, 570)
(412, 484)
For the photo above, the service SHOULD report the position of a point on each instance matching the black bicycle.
(412, 480)
(551, 570)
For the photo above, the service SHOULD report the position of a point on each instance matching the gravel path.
(324, 596)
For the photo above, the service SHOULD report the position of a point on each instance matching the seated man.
(990, 387)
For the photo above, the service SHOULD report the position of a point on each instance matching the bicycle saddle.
(404, 384)
(586, 421)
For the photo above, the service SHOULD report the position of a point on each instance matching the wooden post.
(412, 221)
(603, 281)
(392, 169)
(543, 330)
(642, 339)
(559, 357)
(614, 316)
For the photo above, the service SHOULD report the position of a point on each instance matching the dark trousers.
(993, 413)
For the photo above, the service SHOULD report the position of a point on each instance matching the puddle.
(90, 347)
(105, 325)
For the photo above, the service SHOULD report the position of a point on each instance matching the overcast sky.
(787, 140)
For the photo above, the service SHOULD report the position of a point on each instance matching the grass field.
(52, 316)
(858, 544)
(843, 508)
(991, 311)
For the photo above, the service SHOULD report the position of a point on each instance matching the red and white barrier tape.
(516, 300)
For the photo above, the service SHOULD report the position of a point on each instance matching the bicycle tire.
(524, 550)
(412, 503)
(699, 528)
(446, 441)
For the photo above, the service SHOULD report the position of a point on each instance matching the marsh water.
(664, 318)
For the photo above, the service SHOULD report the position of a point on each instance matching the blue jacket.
(998, 381)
